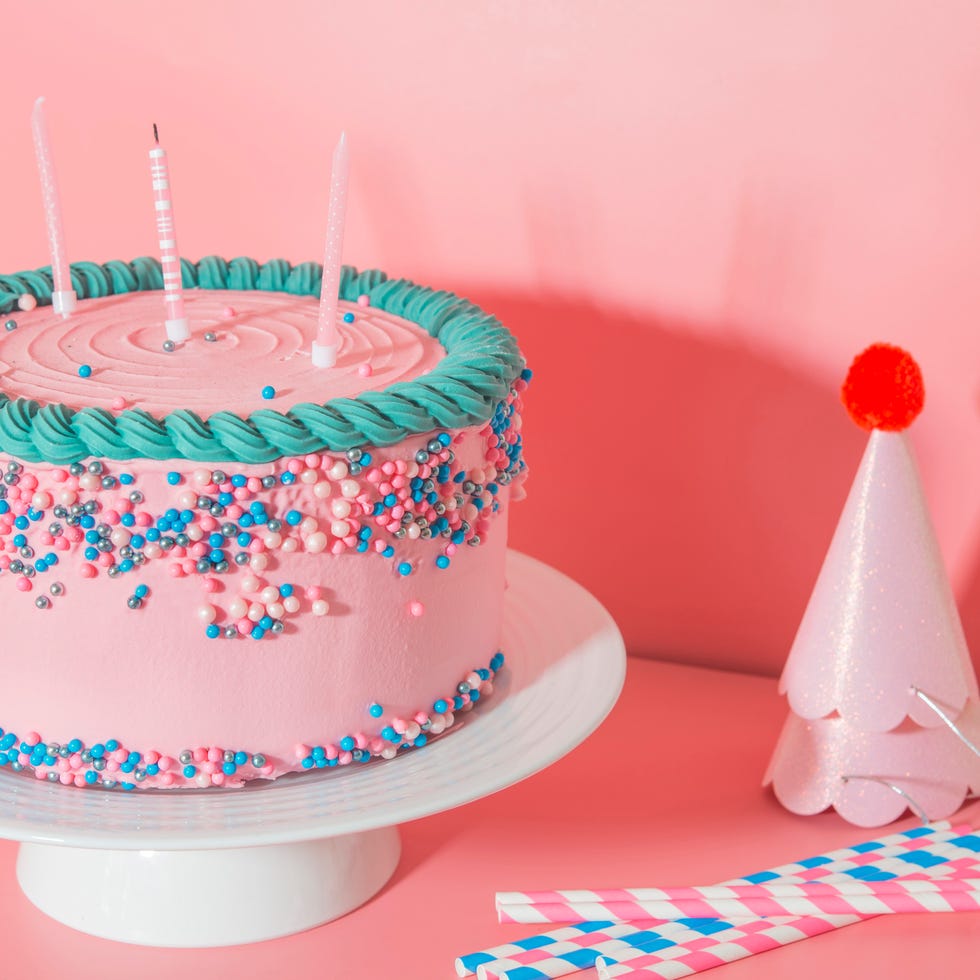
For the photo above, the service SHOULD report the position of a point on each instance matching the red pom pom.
(883, 389)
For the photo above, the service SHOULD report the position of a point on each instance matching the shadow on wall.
(969, 603)
(692, 485)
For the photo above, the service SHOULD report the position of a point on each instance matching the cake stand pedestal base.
(217, 897)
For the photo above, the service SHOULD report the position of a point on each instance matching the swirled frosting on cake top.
(242, 344)
(437, 362)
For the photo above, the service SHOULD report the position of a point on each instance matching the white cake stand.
(221, 867)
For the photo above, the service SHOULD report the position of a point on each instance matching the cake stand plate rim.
(566, 664)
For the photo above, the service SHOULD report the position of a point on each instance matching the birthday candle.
(327, 336)
(63, 296)
(177, 326)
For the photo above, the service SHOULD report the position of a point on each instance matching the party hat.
(879, 657)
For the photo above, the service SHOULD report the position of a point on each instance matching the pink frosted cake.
(219, 563)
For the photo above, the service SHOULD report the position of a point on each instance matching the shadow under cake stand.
(221, 867)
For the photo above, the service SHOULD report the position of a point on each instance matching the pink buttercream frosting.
(261, 339)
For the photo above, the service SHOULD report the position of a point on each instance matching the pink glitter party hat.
(879, 671)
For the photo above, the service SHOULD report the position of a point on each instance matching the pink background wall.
(692, 214)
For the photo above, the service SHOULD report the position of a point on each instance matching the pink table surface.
(666, 792)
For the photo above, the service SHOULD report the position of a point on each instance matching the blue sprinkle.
(152, 534)
(212, 631)
(177, 526)
(257, 633)
(141, 591)
(404, 568)
(442, 562)
(4, 507)
(189, 772)
(244, 539)
(474, 695)
(97, 750)
(229, 768)
(376, 711)
(217, 555)
(34, 515)
(85, 371)
(388, 552)
(285, 589)
(420, 740)
(128, 520)
(126, 565)
(127, 767)
(111, 745)
(172, 514)
(20, 540)
(348, 318)
(293, 517)
(440, 706)
(287, 478)
(319, 752)
(91, 777)
(257, 507)
(362, 546)
(389, 733)
(268, 392)
(365, 459)
(347, 743)
(21, 523)
(40, 565)
(246, 520)
(266, 622)
(152, 769)
(527, 374)
(457, 703)
(226, 499)
(445, 438)
(216, 540)
(307, 763)
(173, 478)
(239, 480)
(321, 763)
(137, 541)
(126, 478)
(241, 758)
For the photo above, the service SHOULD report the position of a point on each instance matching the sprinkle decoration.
(268, 392)
(883, 389)
(223, 532)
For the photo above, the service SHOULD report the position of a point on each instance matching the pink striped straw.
(563, 951)
(177, 326)
(327, 341)
(63, 297)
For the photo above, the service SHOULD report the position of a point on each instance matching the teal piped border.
(482, 362)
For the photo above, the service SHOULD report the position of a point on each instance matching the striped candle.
(63, 296)
(177, 326)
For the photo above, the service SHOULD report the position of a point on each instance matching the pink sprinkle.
(209, 767)
(312, 460)
(314, 592)
(254, 484)
(143, 519)
(59, 475)
(120, 755)
(65, 778)
(218, 778)
(416, 608)
(32, 738)
(210, 584)
(26, 302)
(24, 584)
(228, 312)
(421, 718)
(46, 538)
(200, 754)
(244, 626)
(399, 725)
(215, 754)
(166, 762)
(166, 779)
(364, 300)
(345, 758)
(300, 750)
(365, 370)
(175, 570)
(118, 403)
(331, 751)
(151, 757)
(361, 740)
(111, 516)
(295, 466)
(87, 571)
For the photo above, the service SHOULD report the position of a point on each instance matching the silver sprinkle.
(42, 602)
(230, 632)
(27, 551)
(229, 756)
(474, 541)
(422, 456)
(169, 346)
(29, 571)
(113, 571)
(86, 756)
(258, 760)
(108, 482)
(354, 455)
(56, 589)
(229, 530)
(134, 602)
(278, 626)
(95, 467)
(203, 503)
(202, 566)
(126, 552)
(463, 687)
(241, 558)
(268, 482)
(186, 757)
(217, 510)
(52, 777)
(98, 764)
(16, 766)
(64, 751)
(210, 336)
(434, 446)
(355, 469)
(139, 775)
(103, 530)
(76, 469)
(219, 476)
(109, 783)
(274, 525)
(221, 567)
(182, 540)
(10, 325)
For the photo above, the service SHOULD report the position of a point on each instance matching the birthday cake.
(219, 562)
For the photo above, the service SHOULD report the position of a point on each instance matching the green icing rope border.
(482, 362)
